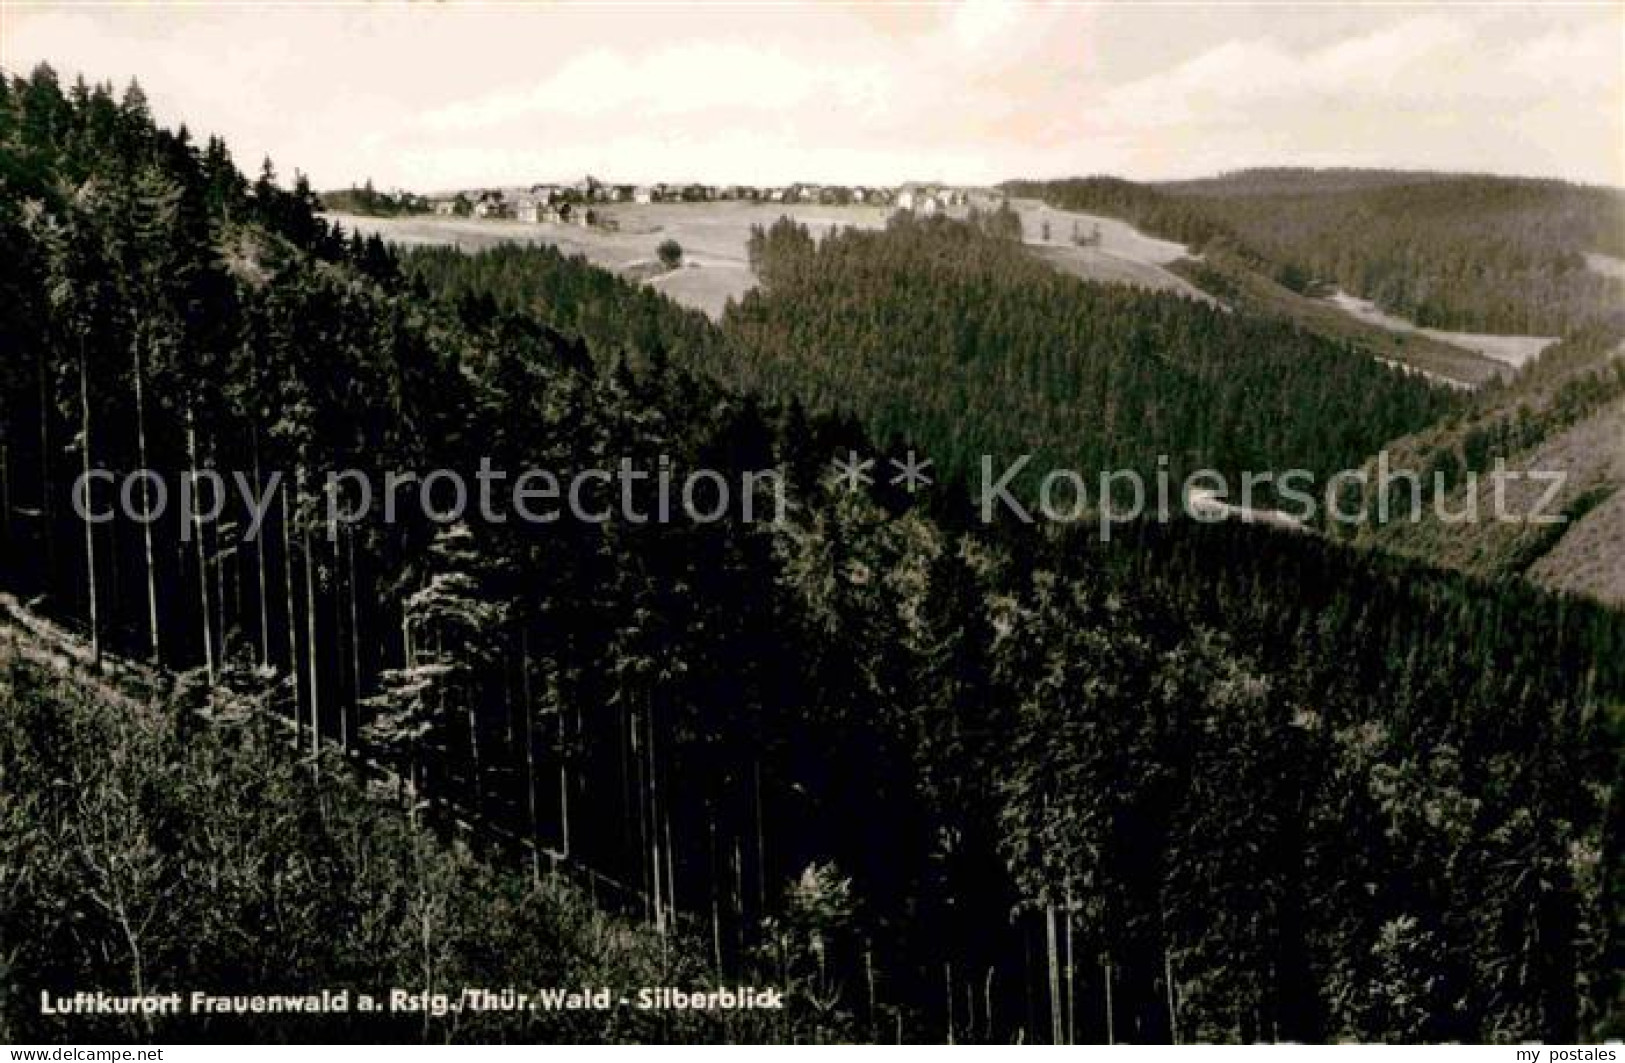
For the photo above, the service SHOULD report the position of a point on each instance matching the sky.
(451, 95)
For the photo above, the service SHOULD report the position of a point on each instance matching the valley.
(1090, 246)
(930, 776)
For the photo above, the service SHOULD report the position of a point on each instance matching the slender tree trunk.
(259, 556)
(355, 629)
(1052, 953)
(311, 658)
(1111, 1016)
(292, 621)
(652, 822)
(199, 551)
(344, 698)
(716, 900)
(528, 728)
(871, 996)
(671, 869)
(217, 556)
(987, 1005)
(90, 537)
(564, 767)
(1173, 1004)
(1071, 986)
(739, 893)
(47, 506)
(154, 643)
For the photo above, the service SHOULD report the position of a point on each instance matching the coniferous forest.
(1458, 252)
(936, 779)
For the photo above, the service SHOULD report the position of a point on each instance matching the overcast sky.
(443, 96)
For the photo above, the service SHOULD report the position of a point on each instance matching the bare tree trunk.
(564, 767)
(1071, 987)
(987, 1005)
(311, 659)
(343, 698)
(716, 900)
(217, 555)
(90, 537)
(528, 728)
(154, 646)
(47, 509)
(199, 552)
(739, 893)
(671, 870)
(1052, 952)
(476, 775)
(1173, 1004)
(1111, 1018)
(292, 621)
(651, 800)
(259, 557)
(355, 631)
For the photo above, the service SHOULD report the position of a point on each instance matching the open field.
(712, 235)
(713, 238)
(1242, 286)
(1123, 255)
(1512, 350)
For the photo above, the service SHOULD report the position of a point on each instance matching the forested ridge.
(1458, 252)
(955, 338)
(1563, 413)
(944, 782)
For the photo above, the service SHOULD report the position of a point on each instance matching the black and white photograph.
(811, 523)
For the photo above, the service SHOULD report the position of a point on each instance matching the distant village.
(578, 203)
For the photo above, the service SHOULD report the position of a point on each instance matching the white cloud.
(687, 79)
(447, 94)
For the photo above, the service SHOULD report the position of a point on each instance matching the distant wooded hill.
(955, 338)
(1460, 252)
(1563, 414)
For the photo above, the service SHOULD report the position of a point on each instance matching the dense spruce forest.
(1563, 413)
(1457, 252)
(948, 334)
(942, 781)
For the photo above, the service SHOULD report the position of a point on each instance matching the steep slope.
(197, 851)
(1562, 422)
(1489, 266)
(1238, 281)
(1458, 252)
(1224, 266)
(1099, 248)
